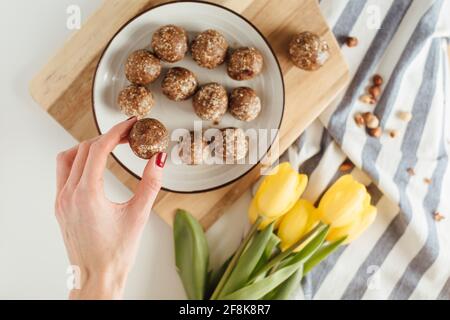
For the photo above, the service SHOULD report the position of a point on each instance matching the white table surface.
(33, 260)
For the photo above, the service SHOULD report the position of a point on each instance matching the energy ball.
(245, 64)
(179, 84)
(193, 150)
(136, 101)
(308, 51)
(234, 145)
(142, 67)
(170, 43)
(245, 105)
(211, 102)
(209, 49)
(148, 137)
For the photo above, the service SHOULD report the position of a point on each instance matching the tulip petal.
(294, 224)
(368, 217)
(343, 201)
(354, 229)
(253, 214)
(279, 191)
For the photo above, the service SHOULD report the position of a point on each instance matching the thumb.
(150, 184)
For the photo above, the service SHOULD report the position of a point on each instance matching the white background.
(33, 261)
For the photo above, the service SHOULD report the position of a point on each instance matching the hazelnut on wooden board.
(245, 64)
(170, 43)
(147, 137)
(142, 67)
(135, 101)
(179, 84)
(308, 51)
(209, 49)
(245, 105)
(351, 42)
(210, 102)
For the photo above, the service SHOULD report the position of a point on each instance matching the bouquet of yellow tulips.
(289, 236)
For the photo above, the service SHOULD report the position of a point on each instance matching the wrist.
(104, 286)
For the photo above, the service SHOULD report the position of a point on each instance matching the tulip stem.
(275, 261)
(235, 258)
(274, 268)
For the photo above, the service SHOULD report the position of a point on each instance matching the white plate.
(193, 17)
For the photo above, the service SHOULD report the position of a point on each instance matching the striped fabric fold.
(405, 254)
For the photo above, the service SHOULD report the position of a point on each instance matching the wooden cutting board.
(63, 87)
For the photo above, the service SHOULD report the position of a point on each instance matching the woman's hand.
(102, 237)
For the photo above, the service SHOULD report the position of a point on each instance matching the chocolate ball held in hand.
(135, 101)
(170, 43)
(245, 64)
(308, 51)
(142, 67)
(209, 49)
(148, 137)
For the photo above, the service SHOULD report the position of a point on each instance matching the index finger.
(100, 150)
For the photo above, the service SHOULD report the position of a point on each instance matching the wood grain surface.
(63, 86)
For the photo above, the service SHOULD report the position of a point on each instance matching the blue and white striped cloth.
(405, 254)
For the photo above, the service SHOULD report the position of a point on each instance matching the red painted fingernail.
(161, 159)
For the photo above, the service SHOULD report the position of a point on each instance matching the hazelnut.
(351, 42)
(359, 120)
(347, 165)
(427, 180)
(375, 132)
(411, 171)
(405, 116)
(371, 120)
(368, 99)
(438, 216)
(377, 80)
(393, 133)
(375, 91)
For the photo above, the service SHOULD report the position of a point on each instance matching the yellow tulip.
(343, 201)
(354, 229)
(301, 219)
(253, 215)
(279, 191)
(346, 208)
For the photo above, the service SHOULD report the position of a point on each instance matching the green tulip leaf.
(311, 247)
(248, 261)
(321, 254)
(191, 254)
(215, 276)
(286, 290)
(268, 252)
(258, 289)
